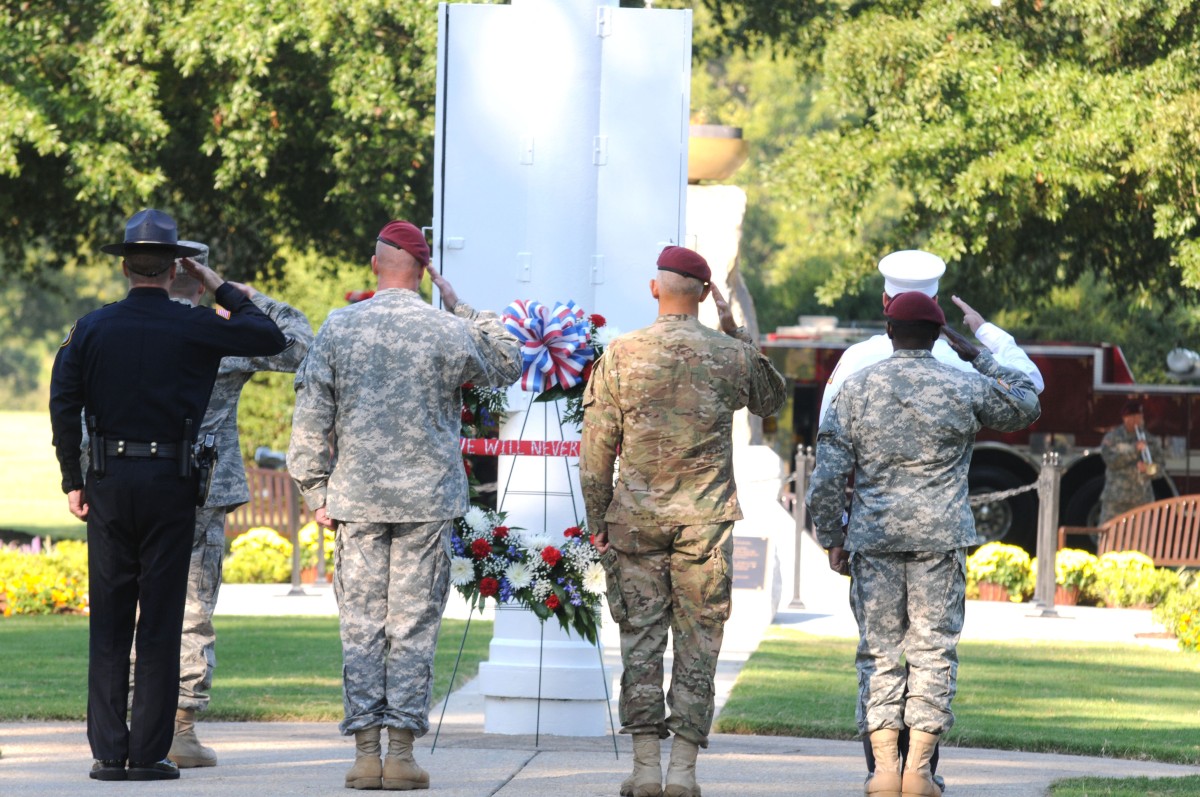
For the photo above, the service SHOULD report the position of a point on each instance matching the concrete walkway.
(51, 759)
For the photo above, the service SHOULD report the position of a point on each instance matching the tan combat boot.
(646, 780)
(885, 781)
(400, 770)
(681, 769)
(367, 772)
(186, 750)
(918, 780)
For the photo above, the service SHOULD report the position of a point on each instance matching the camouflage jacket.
(905, 429)
(1125, 486)
(229, 488)
(664, 398)
(375, 434)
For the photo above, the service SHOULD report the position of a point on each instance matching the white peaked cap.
(911, 270)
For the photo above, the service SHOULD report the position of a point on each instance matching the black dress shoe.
(107, 770)
(160, 770)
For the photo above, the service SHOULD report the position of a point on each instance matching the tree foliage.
(252, 121)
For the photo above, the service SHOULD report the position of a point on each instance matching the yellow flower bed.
(53, 582)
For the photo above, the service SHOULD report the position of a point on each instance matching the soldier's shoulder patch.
(67, 339)
(221, 311)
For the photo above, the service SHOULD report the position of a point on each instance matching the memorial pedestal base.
(538, 679)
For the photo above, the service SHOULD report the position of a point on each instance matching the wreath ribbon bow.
(554, 344)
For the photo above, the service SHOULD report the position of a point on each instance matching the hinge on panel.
(526, 156)
(600, 150)
(604, 19)
(524, 266)
(597, 269)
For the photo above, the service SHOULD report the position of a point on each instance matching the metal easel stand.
(545, 492)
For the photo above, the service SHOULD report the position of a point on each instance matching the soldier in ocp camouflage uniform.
(375, 451)
(1127, 482)
(229, 490)
(664, 398)
(905, 428)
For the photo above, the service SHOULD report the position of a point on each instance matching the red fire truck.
(1086, 386)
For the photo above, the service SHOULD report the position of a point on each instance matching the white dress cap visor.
(911, 270)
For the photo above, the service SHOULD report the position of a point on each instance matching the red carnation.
(597, 320)
(574, 531)
(467, 386)
(467, 465)
(467, 416)
(551, 555)
(489, 587)
(551, 599)
(481, 548)
(501, 532)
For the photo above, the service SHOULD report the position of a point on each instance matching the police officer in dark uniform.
(140, 371)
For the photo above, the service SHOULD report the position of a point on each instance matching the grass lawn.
(1109, 700)
(269, 668)
(31, 496)
(1131, 787)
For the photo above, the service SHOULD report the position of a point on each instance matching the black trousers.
(140, 522)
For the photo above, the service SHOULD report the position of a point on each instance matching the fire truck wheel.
(1083, 507)
(1013, 520)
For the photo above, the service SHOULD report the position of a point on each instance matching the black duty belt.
(129, 448)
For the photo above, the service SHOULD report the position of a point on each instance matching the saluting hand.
(449, 297)
(724, 313)
(971, 316)
(206, 275)
(246, 289)
(966, 349)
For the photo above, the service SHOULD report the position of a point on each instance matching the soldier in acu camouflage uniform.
(1127, 481)
(905, 428)
(197, 655)
(664, 397)
(375, 451)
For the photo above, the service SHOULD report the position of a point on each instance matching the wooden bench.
(1167, 531)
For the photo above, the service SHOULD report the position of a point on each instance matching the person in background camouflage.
(229, 490)
(1127, 481)
(905, 429)
(375, 452)
(664, 397)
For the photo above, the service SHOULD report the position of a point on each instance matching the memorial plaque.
(749, 562)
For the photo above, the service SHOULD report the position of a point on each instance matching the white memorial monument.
(560, 173)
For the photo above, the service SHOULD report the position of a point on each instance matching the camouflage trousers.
(908, 604)
(197, 646)
(675, 578)
(391, 581)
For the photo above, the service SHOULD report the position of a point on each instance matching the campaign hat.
(911, 270)
(915, 306)
(151, 231)
(407, 236)
(682, 260)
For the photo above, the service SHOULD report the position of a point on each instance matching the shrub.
(1006, 565)
(260, 556)
(54, 582)
(1129, 578)
(1179, 613)
(308, 546)
(1073, 569)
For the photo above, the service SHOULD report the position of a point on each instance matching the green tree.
(252, 121)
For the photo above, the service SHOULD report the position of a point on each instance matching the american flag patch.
(221, 311)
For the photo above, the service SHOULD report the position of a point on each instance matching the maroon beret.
(1132, 407)
(403, 235)
(686, 262)
(915, 306)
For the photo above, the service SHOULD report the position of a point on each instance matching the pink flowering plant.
(551, 575)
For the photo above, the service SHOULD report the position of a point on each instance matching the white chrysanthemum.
(477, 519)
(593, 578)
(535, 541)
(519, 575)
(461, 571)
(605, 335)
